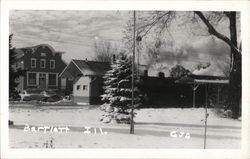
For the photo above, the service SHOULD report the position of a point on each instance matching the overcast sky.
(74, 32)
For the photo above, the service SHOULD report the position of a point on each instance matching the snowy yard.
(152, 129)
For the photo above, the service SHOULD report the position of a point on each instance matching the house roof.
(213, 81)
(21, 51)
(86, 68)
(157, 81)
(92, 67)
(191, 79)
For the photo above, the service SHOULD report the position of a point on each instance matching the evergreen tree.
(118, 90)
(14, 74)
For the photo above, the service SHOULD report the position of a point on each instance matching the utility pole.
(133, 82)
(138, 40)
(206, 115)
(138, 62)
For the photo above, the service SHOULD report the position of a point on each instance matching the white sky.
(74, 33)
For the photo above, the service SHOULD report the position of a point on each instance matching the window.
(84, 87)
(52, 79)
(43, 63)
(52, 64)
(33, 63)
(77, 87)
(43, 54)
(31, 78)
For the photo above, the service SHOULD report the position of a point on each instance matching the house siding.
(80, 94)
(91, 95)
(96, 90)
(88, 73)
(39, 53)
(81, 99)
(69, 85)
(59, 64)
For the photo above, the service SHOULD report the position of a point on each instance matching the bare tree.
(104, 51)
(161, 20)
(146, 21)
(234, 98)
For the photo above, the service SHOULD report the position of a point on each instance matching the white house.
(87, 79)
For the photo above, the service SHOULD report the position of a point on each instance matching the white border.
(242, 6)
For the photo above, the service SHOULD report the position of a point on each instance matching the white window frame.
(78, 89)
(50, 61)
(33, 59)
(84, 87)
(44, 63)
(28, 84)
(56, 79)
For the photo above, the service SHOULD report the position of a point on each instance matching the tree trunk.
(235, 70)
(234, 94)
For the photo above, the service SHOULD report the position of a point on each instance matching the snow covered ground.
(154, 128)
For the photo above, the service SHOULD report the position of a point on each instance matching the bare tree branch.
(214, 32)
(104, 51)
(147, 27)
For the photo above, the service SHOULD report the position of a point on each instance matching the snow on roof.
(203, 79)
(212, 81)
(92, 67)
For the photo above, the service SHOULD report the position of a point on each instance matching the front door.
(42, 80)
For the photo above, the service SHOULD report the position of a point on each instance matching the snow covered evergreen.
(118, 91)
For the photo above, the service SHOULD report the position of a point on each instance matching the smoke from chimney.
(205, 51)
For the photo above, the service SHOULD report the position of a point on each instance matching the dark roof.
(20, 51)
(92, 67)
(157, 81)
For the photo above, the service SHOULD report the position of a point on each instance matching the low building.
(43, 65)
(87, 79)
(188, 91)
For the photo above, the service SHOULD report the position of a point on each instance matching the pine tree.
(14, 74)
(118, 90)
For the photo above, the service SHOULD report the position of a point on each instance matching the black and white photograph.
(125, 79)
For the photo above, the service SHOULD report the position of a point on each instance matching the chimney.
(161, 75)
(145, 73)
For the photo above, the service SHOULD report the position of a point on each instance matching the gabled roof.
(86, 68)
(21, 51)
(92, 67)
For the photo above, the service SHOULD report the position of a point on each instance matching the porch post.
(57, 81)
(47, 80)
(37, 79)
(194, 96)
(218, 94)
(195, 86)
